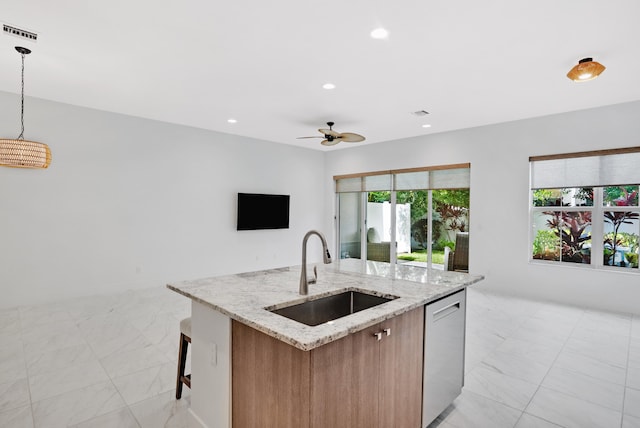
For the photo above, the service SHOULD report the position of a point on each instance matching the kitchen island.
(240, 345)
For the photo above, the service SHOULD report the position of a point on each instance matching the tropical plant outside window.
(621, 227)
(566, 233)
(451, 214)
(403, 216)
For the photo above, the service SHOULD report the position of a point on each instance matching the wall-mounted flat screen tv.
(260, 211)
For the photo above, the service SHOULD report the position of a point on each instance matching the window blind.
(374, 183)
(441, 177)
(412, 180)
(352, 184)
(458, 178)
(599, 169)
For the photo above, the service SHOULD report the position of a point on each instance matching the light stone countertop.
(244, 297)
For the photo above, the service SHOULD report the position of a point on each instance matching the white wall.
(379, 217)
(499, 222)
(130, 203)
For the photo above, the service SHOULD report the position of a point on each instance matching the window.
(585, 209)
(402, 216)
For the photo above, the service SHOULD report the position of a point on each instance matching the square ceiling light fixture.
(586, 69)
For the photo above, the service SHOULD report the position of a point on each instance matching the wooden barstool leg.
(182, 361)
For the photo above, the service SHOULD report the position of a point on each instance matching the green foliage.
(612, 241)
(617, 219)
(419, 201)
(571, 227)
(554, 197)
(586, 194)
(437, 257)
(547, 197)
(452, 197)
(436, 230)
(546, 245)
(441, 243)
(452, 206)
(419, 232)
(621, 195)
(623, 239)
(607, 253)
(379, 196)
(453, 216)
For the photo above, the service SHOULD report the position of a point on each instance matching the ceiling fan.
(331, 137)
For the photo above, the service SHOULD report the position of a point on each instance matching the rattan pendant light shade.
(20, 153)
(24, 154)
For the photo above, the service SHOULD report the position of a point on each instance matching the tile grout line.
(26, 369)
(83, 337)
(532, 316)
(547, 373)
(36, 319)
(115, 387)
(626, 374)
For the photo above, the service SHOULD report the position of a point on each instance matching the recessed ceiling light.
(380, 33)
(232, 120)
(426, 125)
(329, 86)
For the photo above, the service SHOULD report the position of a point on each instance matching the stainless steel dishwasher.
(443, 354)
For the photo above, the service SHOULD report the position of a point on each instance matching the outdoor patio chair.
(458, 260)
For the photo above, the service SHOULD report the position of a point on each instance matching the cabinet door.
(344, 382)
(366, 377)
(400, 388)
(270, 386)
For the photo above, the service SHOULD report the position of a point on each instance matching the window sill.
(568, 265)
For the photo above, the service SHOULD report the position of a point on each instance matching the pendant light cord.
(21, 136)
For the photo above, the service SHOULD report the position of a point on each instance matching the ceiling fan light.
(586, 69)
(331, 137)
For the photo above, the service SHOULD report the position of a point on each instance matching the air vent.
(420, 113)
(21, 34)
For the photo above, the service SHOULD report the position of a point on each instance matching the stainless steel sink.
(330, 308)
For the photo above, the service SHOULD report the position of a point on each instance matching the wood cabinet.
(400, 364)
(356, 381)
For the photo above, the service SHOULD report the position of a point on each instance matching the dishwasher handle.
(446, 311)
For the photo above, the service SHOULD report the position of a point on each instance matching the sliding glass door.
(349, 224)
(412, 217)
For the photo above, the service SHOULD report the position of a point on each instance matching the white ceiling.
(200, 62)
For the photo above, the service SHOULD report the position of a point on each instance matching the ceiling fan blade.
(329, 132)
(298, 138)
(350, 137)
(330, 143)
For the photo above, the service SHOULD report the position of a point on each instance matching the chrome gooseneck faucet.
(304, 281)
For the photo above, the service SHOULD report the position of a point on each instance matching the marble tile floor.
(110, 360)
(544, 365)
(99, 362)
